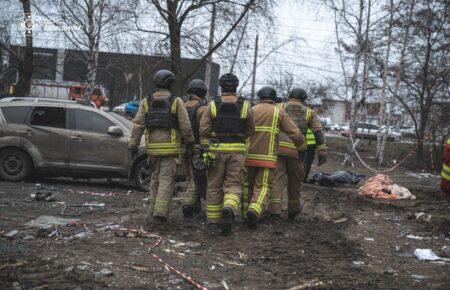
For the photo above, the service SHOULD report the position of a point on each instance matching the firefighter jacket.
(224, 137)
(162, 141)
(269, 121)
(445, 183)
(308, 122)
(285, 145)
(196, 107)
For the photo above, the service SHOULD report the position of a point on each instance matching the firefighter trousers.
(196, 184)
(292, 169)
(310, 152)
(162, 184)
(258, 189)
(225, 181)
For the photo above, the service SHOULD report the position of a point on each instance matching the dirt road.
(341, 240)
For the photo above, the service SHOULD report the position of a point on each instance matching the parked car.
(131, 109)
(370, 131)
(65, 139)
(33, 99)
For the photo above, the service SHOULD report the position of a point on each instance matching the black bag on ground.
(336, 178)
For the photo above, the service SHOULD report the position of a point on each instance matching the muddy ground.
(341, 240)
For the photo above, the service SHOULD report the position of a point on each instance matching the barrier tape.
(375, 170)
(159, 240)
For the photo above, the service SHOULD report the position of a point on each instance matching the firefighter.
(196, 189)
(315, 138)
(445, 182)
(166, 123)
(262, 152)
(290, 165)
(226, 124)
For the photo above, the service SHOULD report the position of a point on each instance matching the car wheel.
(15, 165)
(142, 175)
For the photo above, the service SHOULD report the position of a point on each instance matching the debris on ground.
(389, 271)
(421, 216)
(105, 273)
(418, 277)
(445, 251)
(140, 268)
(336, 178)
(381, 186)
(45, 221)
(91, 206)
(42, 196)
(313, 284)
(426, 255)
(11, 234)
(421, 175)
(342, 220)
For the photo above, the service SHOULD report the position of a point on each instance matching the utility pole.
(254, 68)
(210, 46)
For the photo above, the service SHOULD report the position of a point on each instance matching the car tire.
(15, 165)
(141, 175)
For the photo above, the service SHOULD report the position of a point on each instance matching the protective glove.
(302, 155)
(321, 159)
(133, 153)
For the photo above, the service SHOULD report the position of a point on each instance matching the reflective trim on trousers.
(161, 207)
(256, 207)
(232, 201)
(445, 172)
(228, 147)
(213, 212)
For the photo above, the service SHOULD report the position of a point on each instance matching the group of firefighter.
(236, 155)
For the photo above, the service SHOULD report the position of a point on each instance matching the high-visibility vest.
(446, 167)
(310, 139)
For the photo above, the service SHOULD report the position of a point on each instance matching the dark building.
(124, 76)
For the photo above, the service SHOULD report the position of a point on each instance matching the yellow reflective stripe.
(244, 110)
(308, 114)
(266, 129)
(445, 172)
(213, 109)
(163, 145)
(262, 157)
(228, 147)
(173, 108)
(231, 199)
(287, 145)
(448, 141)
(323, 146)
(274, 128)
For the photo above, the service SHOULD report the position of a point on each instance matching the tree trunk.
(210, 46)
(382, 113)
(26, 64)
(398, 76)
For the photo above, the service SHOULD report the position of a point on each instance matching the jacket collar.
(267, 101)
(194, 97)
(292, 100)
(228, 94)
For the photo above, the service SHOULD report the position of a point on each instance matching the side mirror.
(115, 131)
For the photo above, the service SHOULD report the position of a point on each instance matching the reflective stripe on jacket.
(269, 121)
(310, 139)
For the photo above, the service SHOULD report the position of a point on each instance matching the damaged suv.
(65, 139)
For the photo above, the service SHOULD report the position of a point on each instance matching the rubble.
(445, 251)
(105, 273)
(45, 221)
(426, 255)
(11, 234)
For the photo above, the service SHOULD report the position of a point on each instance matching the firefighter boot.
(188, 211)
(227, 221)
(251, 220)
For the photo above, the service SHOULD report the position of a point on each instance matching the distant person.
(196, 189)
(445, 182)
(166, 123)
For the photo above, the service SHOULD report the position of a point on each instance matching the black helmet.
(267, 93)
(197, 87)
(298, 93)
(164, 79)
(228, 83)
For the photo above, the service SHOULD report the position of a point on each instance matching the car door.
(47, 130)
(91, 148)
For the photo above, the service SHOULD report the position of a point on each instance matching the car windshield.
(128, 124)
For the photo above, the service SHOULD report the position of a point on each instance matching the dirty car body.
(64, 139)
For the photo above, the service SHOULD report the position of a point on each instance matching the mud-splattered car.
(64, 139)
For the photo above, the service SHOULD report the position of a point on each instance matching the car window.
(48, 117)
(15, 115)
(91, 121)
